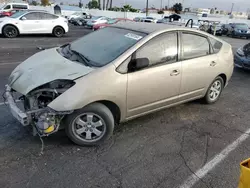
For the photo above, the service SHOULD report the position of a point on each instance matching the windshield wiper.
(84, 59)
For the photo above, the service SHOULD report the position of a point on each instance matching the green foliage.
(161, 12)
(177, 7)
(125, 8)
(45, 2)
(93, 4)
(116, 9)
(34, 3)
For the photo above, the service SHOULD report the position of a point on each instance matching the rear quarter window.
(216, 45)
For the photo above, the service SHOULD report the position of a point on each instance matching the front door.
(158, 85)
(31, 23)
(199, 66)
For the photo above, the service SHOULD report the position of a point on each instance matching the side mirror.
(138, 64)
(23, 18)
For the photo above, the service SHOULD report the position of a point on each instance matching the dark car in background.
(218, 31)
(225, 28)
(242, 57)
(138, 19)
(239, 30)
(80, 21)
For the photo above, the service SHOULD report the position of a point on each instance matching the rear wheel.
(90, 125)
(214, 91)
(10, 31)
(58, 31)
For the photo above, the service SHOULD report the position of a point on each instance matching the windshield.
(99, 49)
(17, 14)
(241, 26)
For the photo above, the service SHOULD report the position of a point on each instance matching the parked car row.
(96, 22)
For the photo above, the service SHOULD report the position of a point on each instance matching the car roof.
(144, 27)
(149, 28)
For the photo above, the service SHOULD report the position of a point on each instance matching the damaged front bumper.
(22, 117)
(45, 120)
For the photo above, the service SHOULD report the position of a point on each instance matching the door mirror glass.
(23, 18)
(138, 64)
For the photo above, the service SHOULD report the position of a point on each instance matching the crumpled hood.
(42, 68)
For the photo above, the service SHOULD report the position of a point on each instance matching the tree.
(111, 2)
(107, 5)
(34, 3)
(116, 9)
(93, 4)
(44, 2)
(99, 3)
(177, 7)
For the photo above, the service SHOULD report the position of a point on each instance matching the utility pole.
(168, 4)
(161, 5)
(232, 8)
(147, 8)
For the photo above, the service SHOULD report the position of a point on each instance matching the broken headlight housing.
(46, 120)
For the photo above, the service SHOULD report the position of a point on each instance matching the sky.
(239, 5)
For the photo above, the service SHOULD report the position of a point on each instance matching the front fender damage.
(45, 120)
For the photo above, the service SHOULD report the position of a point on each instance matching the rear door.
(199, 64)
(49, 21)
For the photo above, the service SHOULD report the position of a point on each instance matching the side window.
(194, 46)
(161, 49)
(7, 7)
(32, 16)
(46, 16)
(19, 6)
(216, 45)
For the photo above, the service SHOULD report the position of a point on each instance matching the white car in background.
(97, 20)
(33, 22)
(149, 20)
(77, 15)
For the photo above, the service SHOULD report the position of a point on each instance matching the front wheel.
(214, 91)
(90, 125)
(10, 31)
(58, 32)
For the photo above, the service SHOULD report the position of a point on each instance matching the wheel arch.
(224, 77)
(113, 107)
(60, 27)
(12, 26)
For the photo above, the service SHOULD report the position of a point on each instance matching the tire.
(90, 125)
(10, 31)
(58, 31)
(212, 98)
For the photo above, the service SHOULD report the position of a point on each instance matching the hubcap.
(215, 90)
(58, 32)
(89, 127)
(10, 32)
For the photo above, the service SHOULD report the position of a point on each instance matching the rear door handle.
(175, 73)
(213, 63)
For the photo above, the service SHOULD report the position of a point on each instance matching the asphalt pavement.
(162, 149)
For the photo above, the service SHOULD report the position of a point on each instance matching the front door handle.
(213, 63)
(175, 73)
